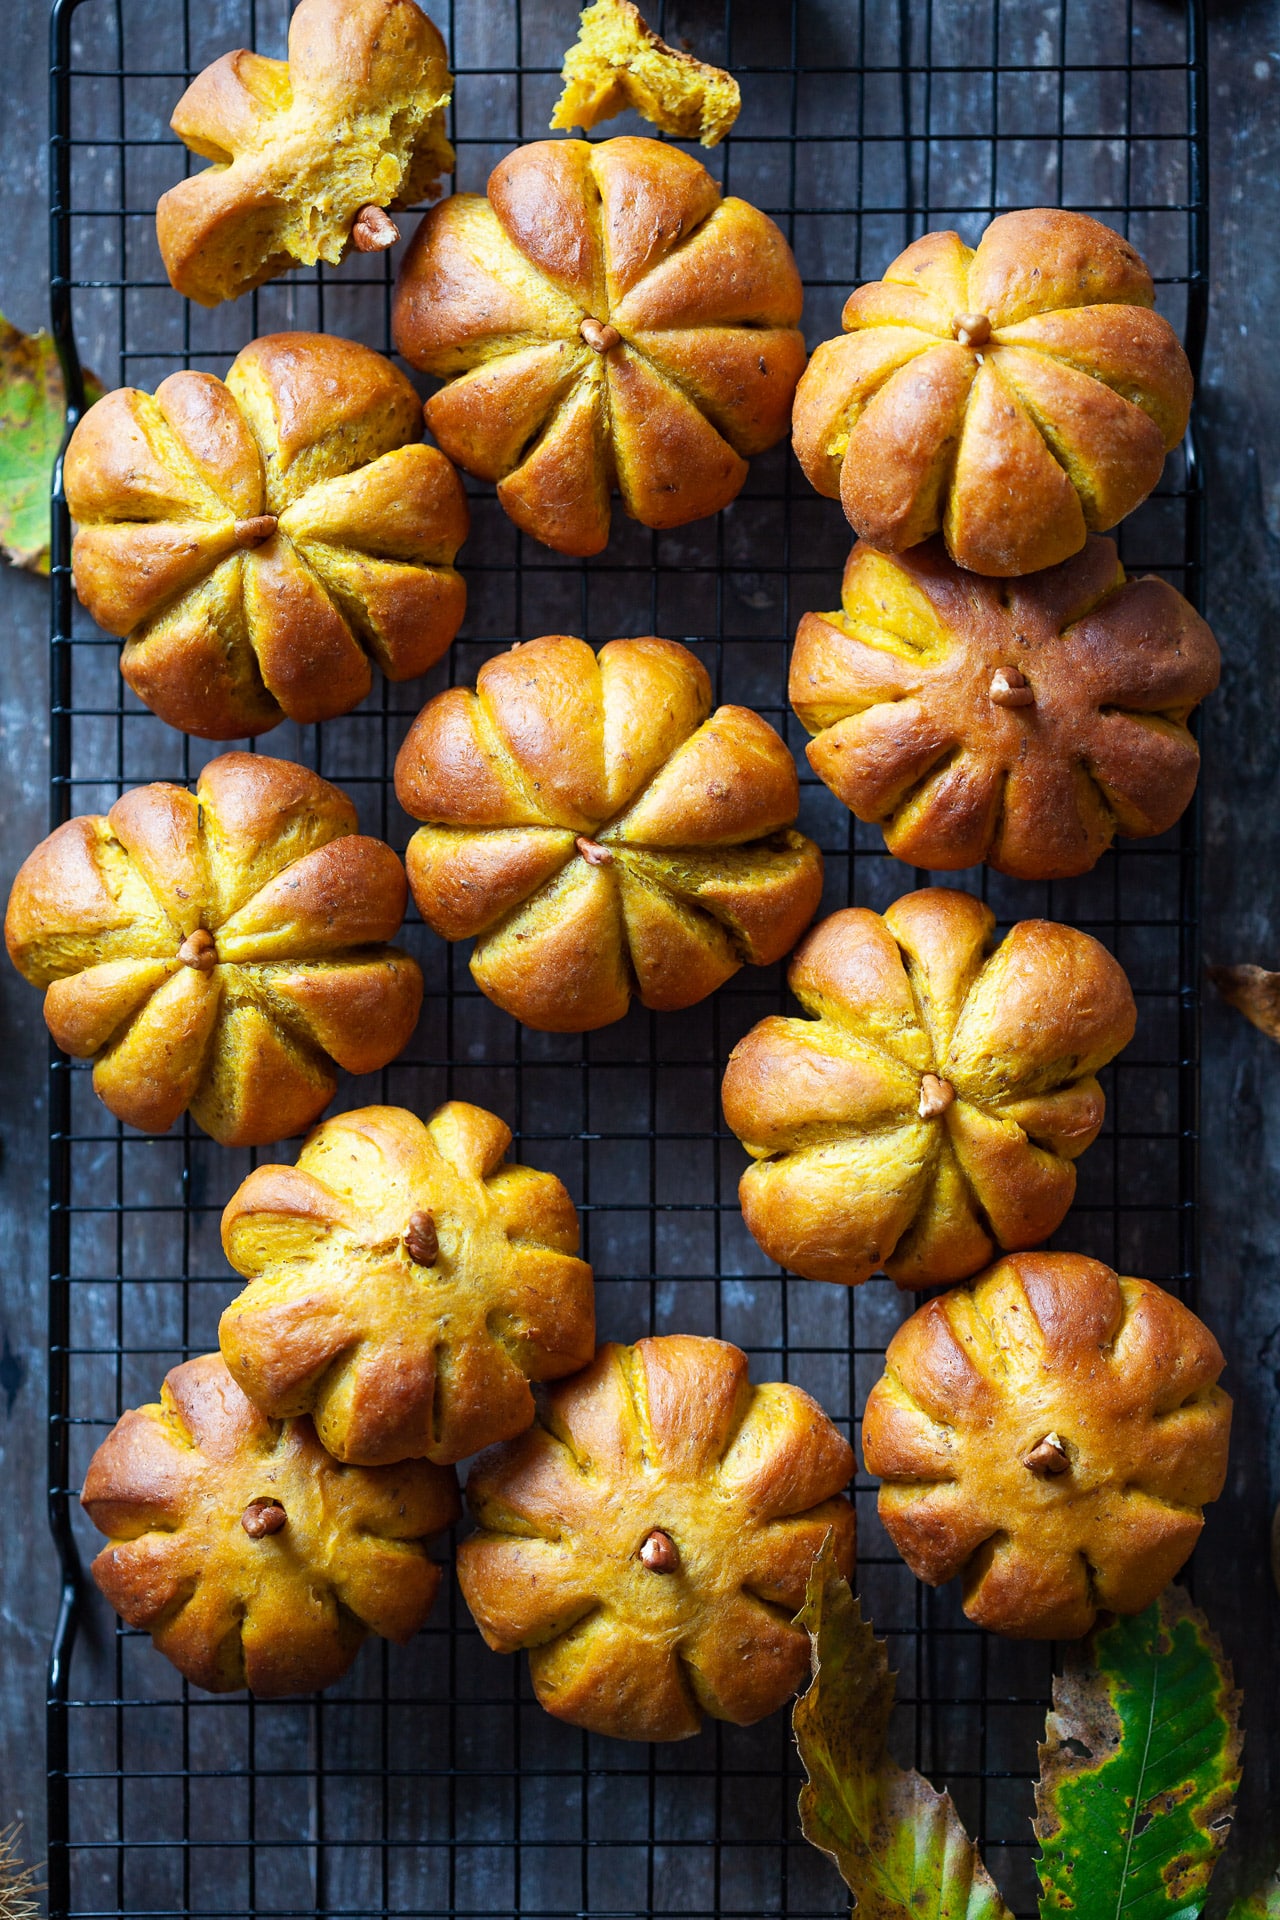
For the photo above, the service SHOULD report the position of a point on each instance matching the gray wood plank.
(28, 1581)
(1240, 416)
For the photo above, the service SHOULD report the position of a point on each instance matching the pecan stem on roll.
(257, 528)
(374, 231)
(599, 335)
(935, 1096)
(199, 951)
(1048, 1458)
(421, 1241)
(592, 852)
(971, 329)
(659, 1553)
(1009, 688)
(263, 1516)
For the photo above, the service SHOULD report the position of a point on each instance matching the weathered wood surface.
(1240, 418)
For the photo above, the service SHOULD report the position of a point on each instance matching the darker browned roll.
(603, 320)
(1026, 723)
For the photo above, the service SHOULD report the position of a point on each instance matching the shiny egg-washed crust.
(617, 61)
(602, 832)
(353, 118)
(284, 1612)
(905, 691)
(219, 952)
(398, 1345)
(1015, 397)
(745, 1482)
(693, 302)
(856, 1168)
(254, 542)
(1123, 1379)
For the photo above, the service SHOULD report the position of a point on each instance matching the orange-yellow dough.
(1050, 1434)
(250, 1557)
(406, 1285)
(932, 1107)
(220, 952)
(601, 832)
(602, 321)
(618, 62)
(354, 118)
(650, 1538)
(1015, 396)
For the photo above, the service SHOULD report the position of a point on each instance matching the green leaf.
(1139, 1769)
(32, 421)
(899, 1845)
(1262, 1905)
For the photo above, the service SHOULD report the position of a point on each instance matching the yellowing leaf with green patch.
(1139, 1769)
(32, 419)
(900, 1845)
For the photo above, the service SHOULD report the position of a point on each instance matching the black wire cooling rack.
(429, 1782)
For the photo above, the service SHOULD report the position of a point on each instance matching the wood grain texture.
(1240, 1191)
(28, 1578)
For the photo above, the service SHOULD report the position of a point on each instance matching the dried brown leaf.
(1253, 992)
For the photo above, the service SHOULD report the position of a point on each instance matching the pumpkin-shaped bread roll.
(1024, 723)
(306, 151)
(256, 542)
(1050, 1434)
(405, 1285)
(650, 1539)
(1015, 396)
(601, 832)
(219, 952)
(250, 1557)
(603, 319)
(929, 1111)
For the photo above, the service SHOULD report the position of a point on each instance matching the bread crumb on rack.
(618, 62)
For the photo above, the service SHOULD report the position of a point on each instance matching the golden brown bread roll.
(617, 61)
(248, 1555)
(650, 1539)
(1014, 397)
(602, 832)
(354, 118)
(219, 952)
(405, 1285)
(1050, 1433)
(603, 320)
(1023, 724)
(930, 1110)
(254, 542)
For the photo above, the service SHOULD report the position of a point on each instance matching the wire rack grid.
(429, 1782)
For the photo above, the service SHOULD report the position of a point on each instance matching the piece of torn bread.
(350, 124)
(618, 62)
